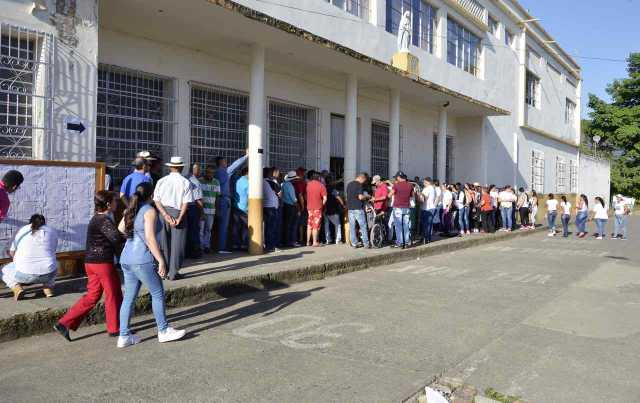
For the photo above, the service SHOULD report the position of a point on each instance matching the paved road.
(554, 320)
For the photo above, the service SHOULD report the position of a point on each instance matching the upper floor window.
(493, 26)
(463, 48)
(533, 90)
(509, 38)
(423, 21)
(359, 8)
(570, 112)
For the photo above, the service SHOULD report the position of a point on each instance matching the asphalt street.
(550, 319)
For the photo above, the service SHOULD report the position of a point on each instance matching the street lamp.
(596, 141)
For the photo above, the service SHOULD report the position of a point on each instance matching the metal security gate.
(450, 162)
(26, 92)
(219, 123)
(135, 112)
(380, 149)
(291, 135)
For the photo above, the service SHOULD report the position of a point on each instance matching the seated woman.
(34, 258)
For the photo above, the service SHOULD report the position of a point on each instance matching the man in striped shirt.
(210, 191)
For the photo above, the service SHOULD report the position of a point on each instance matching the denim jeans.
(329, 221)
(506, 215)
(223, 211)
(402, 224)
(565, 224)
(551, 220)
(134, 276)
(206, 228)
(271, 227)
(600, 224)
(11, 277)
(581, 221)
(240, 229)
(620, 225)
(426, 218)
(358, 216)
(463, 219)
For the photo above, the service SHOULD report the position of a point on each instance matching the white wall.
(595, 178)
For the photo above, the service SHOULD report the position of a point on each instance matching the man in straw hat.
(291, 209)
(172, 196)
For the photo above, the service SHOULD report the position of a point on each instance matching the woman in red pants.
(104, 241)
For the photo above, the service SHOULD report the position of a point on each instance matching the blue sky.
(592, 28)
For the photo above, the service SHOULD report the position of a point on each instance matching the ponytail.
(36, 221)
(140, 197)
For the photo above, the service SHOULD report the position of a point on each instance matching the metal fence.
(537, 171)
(289, 129)
(135, 112)
(380, 149)
(26, 91)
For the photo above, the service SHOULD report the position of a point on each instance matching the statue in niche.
(404, 32)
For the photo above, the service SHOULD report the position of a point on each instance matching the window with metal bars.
(570, 112)
(380, 149)
(219, 124)
(289, 129)
(450, 163)
(573, 177)
(561, 175)
(423, 21)
(26, 58)
(135, 113)
(532, 90)
(537, 171)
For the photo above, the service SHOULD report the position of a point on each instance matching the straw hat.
(175, 162)
(291, 175)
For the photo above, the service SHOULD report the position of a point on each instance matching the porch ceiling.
(221, 27)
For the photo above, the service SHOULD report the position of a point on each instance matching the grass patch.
(495, 395)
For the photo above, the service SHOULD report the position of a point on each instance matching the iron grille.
(537, 171)
(561, 175)
(380, 149)
(135, 112)
(26, 91)
(573, 177)
(289, 128)
(218, 124)
(450, 162)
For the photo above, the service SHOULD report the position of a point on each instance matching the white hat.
(291, 175)
(175, 162)
(146, 155)
(376, 179)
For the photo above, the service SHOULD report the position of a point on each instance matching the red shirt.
(486, 199)
(300, 186)
(402, 194)
(382, 191)
(315, 193)
(4, 201)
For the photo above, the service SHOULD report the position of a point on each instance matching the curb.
(41, 322)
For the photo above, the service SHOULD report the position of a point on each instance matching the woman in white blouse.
(601, 216)
(565, 207)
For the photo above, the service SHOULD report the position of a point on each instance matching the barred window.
(562, 175)
(450, 162)
(380, 149)
(135, 112)
(570, 112)
(537, 171)
(25, 90)
(463, 48)
(532, 90)
(423, 21)
(573, 176)
(290, 130)
(219, 125)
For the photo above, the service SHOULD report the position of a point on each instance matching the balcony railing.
(474, 8)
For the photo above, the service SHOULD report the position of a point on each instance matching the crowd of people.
(155, 221)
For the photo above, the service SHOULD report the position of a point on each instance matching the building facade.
(496, 100)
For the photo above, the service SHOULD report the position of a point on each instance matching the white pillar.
(256, 148)
(522, 77)
(351, 129)
(394, 132)
(441, 164)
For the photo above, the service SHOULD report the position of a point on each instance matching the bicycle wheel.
(377, 235)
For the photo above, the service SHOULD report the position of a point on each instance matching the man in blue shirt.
(241, 212)
(223, 209)
(291, 210)
(131, 181)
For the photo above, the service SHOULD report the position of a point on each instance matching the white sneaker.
(170, 334)
(599, 238)
(126, 341)
(551, 234)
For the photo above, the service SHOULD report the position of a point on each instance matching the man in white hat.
(172, 196)
(291, 210)
(622, 211)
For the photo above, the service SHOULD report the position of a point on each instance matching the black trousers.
(524, 216)
(487, 221)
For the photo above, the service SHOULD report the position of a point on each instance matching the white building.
(176, 77)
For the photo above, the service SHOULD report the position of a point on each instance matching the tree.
(618, 124)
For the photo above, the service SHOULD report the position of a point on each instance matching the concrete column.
(351, 129)
(522, 77)
(441, 33)
(441, 164)
(256, 149)
(394, 132)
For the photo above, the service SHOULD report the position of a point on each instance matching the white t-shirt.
(566, 208)
(429, 194)
(447, 198)
(506, 199)
(619, 207)
(494, 198)
(173, 190)
(461, 199)
(439, 197)
(601, 212)
(552, 205)
(35, 253)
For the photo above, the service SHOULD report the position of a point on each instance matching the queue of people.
(169, 218)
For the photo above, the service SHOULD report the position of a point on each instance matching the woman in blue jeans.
(142, 263)
(601, 216)
(582, 215)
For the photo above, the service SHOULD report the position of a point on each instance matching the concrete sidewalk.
(222, 276)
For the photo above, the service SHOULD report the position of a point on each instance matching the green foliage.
(491, 393)
(618, 124)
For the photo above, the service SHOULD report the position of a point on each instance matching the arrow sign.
(78, 127)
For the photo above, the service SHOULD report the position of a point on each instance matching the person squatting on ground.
(143, 263)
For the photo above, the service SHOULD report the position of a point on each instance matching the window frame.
(538, 163)
(380, 154)
(532, 90)
(460, 53)
(421, 11)
(570, 112)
